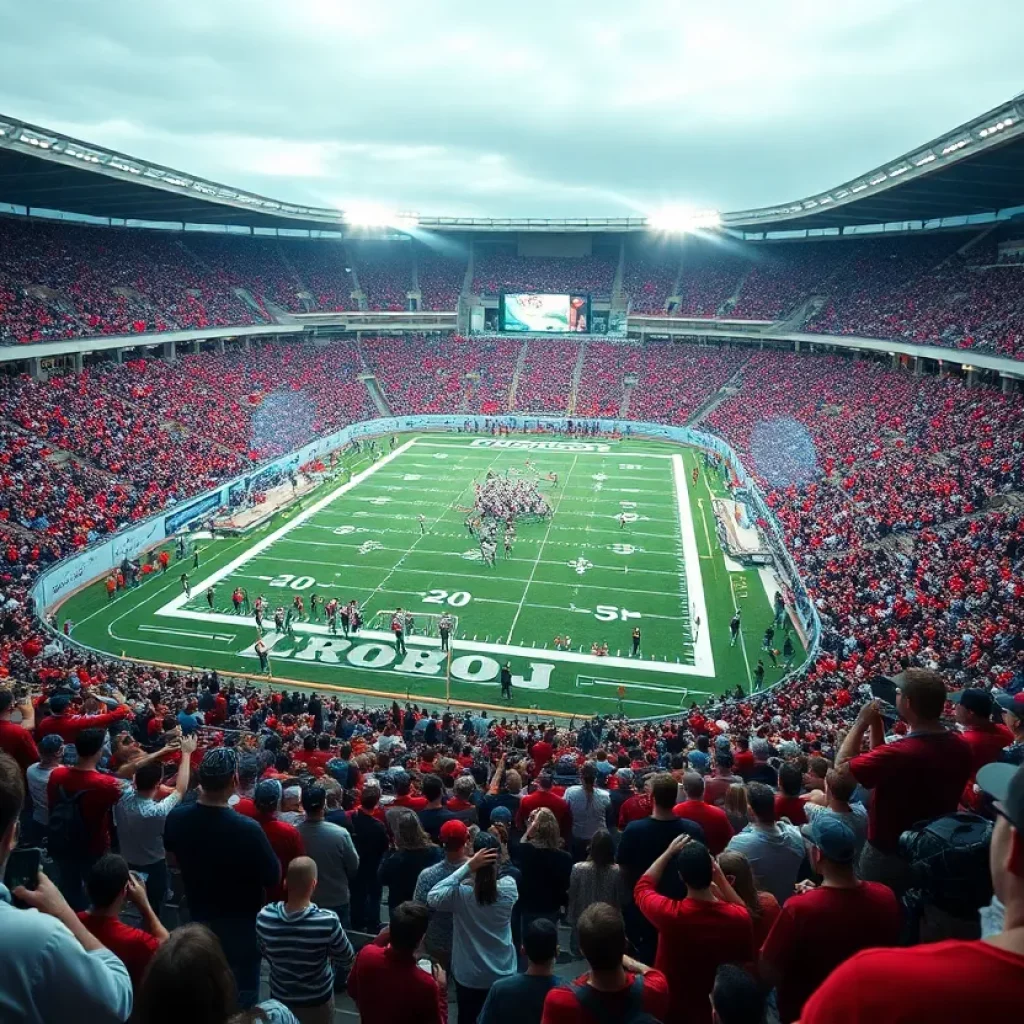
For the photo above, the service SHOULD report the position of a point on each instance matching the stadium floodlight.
(371, 215)
(684, 219)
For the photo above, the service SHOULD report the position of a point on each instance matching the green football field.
(580, 574)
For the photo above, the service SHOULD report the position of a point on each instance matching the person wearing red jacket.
(68, 726)
(386, 984)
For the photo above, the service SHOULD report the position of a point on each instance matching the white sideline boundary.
(703, 658)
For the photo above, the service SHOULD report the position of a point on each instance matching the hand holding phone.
(23, 868)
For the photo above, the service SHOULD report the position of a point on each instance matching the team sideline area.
(628, 543)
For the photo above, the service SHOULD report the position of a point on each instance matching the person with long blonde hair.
(545, 868)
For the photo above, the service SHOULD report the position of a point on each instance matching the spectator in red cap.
(947, 981)
(454, 838)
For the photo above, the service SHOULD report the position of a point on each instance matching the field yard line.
(271, 538)
(540, 551)
(702, 652)
(602, 664)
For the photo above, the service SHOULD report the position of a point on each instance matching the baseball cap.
(501, 816)
(268, 794)
(833, 837)
(454, 834)
(50, 744)
(1014, 703)
(218, 764)
(1005, 784)
(974, 699)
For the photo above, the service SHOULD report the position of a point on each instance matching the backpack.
(949, 862)
(68, 835)
(634, 1013)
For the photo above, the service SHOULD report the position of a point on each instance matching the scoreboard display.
(539, 313)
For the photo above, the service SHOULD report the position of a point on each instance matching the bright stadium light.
(683, 219)
(372, 215)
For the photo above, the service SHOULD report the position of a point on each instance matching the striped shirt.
(304, 950)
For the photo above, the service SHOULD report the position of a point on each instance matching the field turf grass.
(579, 574)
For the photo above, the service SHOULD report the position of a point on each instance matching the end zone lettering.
(377, 654)
(540, 446)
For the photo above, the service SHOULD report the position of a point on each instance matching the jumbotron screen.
(545, 314)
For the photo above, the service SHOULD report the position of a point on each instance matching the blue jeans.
(156, 883)
(241, 950)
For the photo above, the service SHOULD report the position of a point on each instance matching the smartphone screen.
(23, 868)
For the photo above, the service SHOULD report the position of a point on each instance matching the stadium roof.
(976, 168)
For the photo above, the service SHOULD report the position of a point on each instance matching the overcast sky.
(530, 107)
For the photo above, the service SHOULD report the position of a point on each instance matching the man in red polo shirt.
(386, 984)
(616, 985)
(543, 750)
(947, 982)
(16, 737)
(821, 927)
(714, 821)
(698, 934)
(403, 794)
(917, 778)
(985, 738)
(544, 796)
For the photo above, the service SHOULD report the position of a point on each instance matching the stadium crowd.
(697, 840)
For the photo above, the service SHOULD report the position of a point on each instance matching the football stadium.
(567, 618)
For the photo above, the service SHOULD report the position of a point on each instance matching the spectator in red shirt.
(762, 906)
(980, 980)
(110, 885)
(919, 777)
(284, 838)
(386, 983)
(403, 795)
(68, 726)
(787, 802)
(16, 737)
(616, 985)
(986, 738)
(697, 934)
(543, 796)
(743, 761)
(542, 751)
(714, 821)
(822, 926)
(85, 834)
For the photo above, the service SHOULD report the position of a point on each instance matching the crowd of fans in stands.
(952, 288)
(896, 497)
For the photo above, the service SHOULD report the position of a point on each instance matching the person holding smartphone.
(51, 966)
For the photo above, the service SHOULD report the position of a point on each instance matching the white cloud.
(537, 108)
